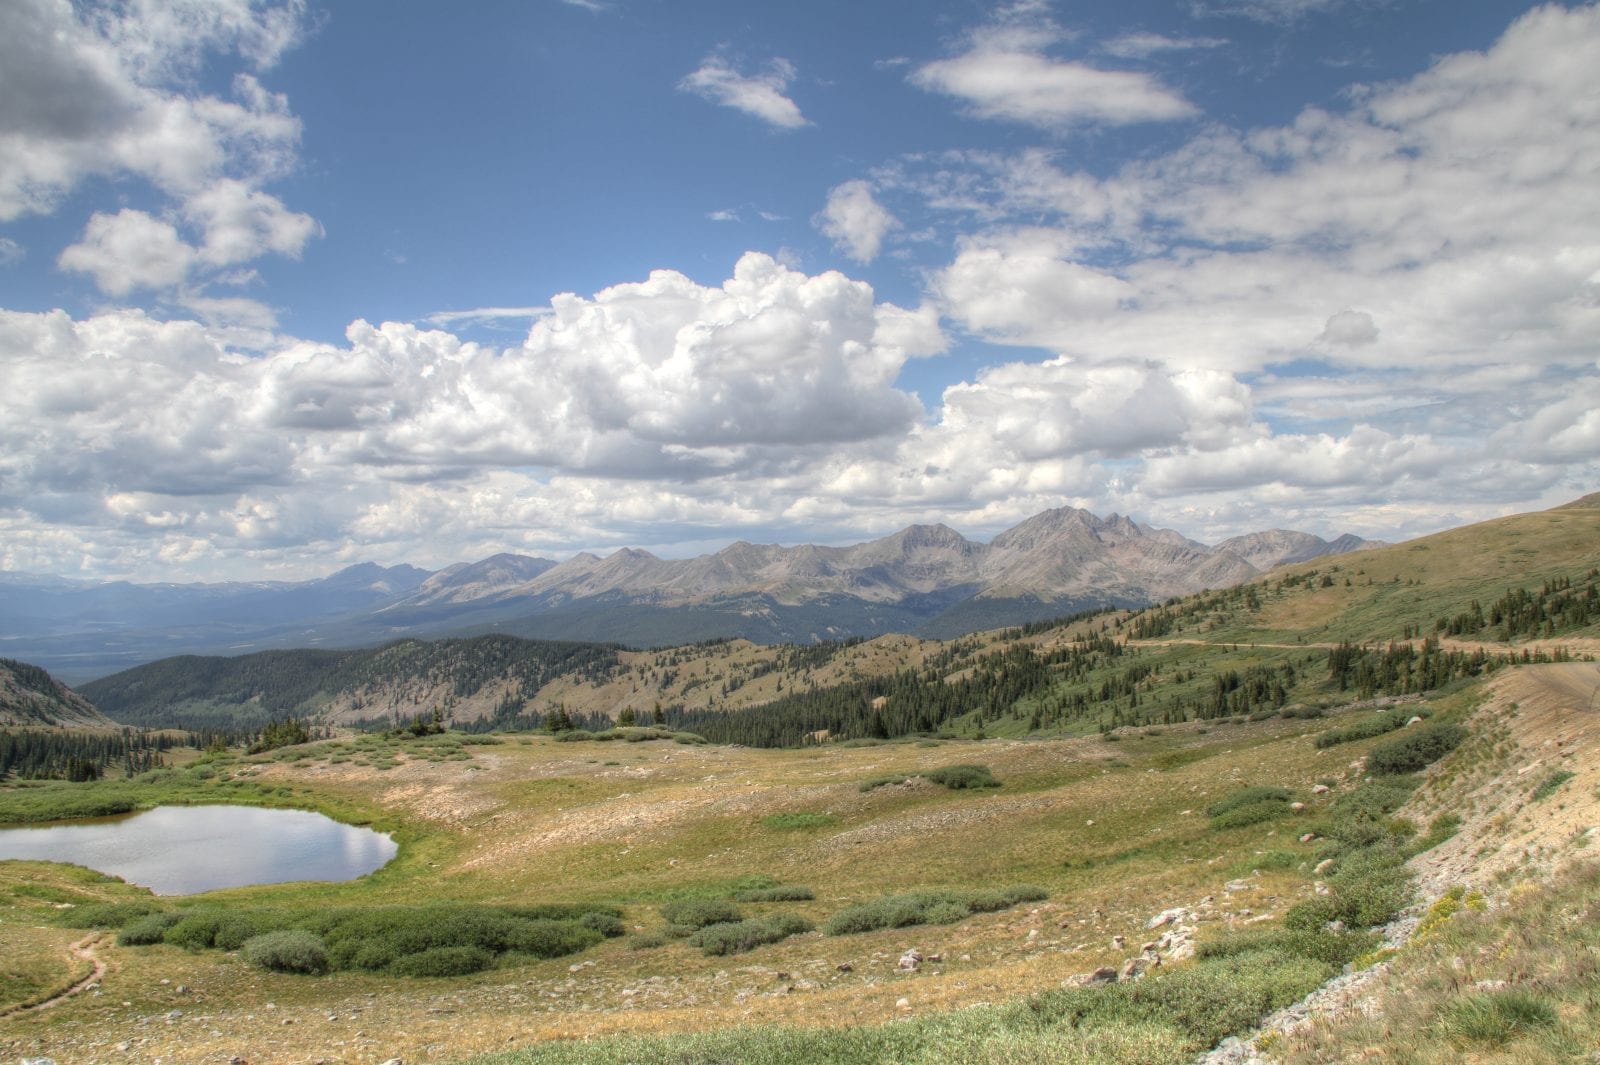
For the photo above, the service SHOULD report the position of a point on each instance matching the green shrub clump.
(106, 914)
(149, 929)
(1361, 730)
(698, 913)
(740, 936)
(405, 940)
(1249, 806)
(292, 950)
(958, 777)
(1419, 748)
(443, 961)
(927, 907)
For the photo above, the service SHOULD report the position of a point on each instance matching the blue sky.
(285, 286)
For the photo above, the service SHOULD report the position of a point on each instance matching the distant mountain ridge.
(925, 579)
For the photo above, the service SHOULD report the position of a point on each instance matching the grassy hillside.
(1186, 796)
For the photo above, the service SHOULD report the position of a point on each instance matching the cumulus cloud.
(663, 377)
(107, 90)
(129, 250)
(1005, 74)
(760, 95)
(855, 221)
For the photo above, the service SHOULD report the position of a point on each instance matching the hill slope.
(31, 696)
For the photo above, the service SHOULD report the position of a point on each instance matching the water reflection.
(181, 850)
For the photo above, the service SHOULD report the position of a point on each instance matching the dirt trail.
(82, 950)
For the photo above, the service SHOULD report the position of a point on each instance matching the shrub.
(194, 932)
(106, 914)
(152, 928)
(776, 893)
(288, 951)
(647, 941)
(554, 939)
(1419, 748)
(697, 913)
(607, 924)
(927, 907)
(443, 961)
(1253, 814)
(1376, 725)
(957, 777)
(740, 936)
(872, 783)
(1247, 797)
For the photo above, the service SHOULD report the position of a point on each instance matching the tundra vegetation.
(1283, 752)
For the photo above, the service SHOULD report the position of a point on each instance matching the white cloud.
(107, 90)
(855, 221)
(130, 250)
(105, 93)
(1141, 45)
(1004, 74)
(760, 95)
(11, 253)
(241, 223)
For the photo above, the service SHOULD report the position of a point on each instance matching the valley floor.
(1115, 832)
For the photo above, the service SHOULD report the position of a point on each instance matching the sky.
(287, 286)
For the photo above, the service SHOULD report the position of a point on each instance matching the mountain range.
(926, 579)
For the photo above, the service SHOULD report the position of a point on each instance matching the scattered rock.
(1322, 867)
(1166, 917)
(845, 967)
(1320, 789)
(1297, 806)
(1308, 837)
(910, 961)
(902, 1004)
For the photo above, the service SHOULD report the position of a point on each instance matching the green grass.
(788, 822)
(1548, 786)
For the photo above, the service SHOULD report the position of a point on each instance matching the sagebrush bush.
(288, 951)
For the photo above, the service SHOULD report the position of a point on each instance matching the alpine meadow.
(984, 532)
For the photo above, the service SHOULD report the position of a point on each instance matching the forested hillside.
(398, 681)
(31, 696)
